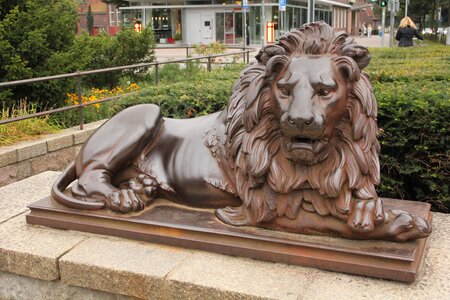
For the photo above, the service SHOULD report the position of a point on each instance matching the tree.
(90, 20)
(31, 32)
(419, 9)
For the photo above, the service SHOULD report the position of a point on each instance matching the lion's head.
(301, 127)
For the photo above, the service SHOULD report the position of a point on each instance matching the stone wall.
(51, 152)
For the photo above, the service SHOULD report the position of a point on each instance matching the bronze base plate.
(167, 223)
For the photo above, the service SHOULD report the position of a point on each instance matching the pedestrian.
(405, 33)
(362, 30)
(369, 30)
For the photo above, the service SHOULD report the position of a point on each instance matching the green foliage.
(413, 92)
(26, 129)
(210, 49)
(38, 38)
(202, 94)
(31, 32)
(437, 37)
(104, 51)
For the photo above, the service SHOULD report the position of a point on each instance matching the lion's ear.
(269, 51)
(275, 65)
(359, 54)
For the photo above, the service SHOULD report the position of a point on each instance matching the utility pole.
(310, 17)
(263, 23)
(392, 20)
(245, 6)
(383, 24)
(383, 4)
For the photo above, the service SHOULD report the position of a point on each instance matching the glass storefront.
(229, 28)
(264, 23)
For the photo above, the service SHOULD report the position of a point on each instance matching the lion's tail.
(62, 183)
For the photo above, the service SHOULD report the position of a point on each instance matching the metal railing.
(78, 75)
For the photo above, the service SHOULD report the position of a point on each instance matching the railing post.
(80, 103)
(209, 64)
(248, 56)
(187, 51)
(156, 74)
(243, 54)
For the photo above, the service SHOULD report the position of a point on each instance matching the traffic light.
(383, 3)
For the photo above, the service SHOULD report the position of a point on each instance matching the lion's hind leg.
(112, 148)
(134, 195)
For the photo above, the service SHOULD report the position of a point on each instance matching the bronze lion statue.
(295, 150)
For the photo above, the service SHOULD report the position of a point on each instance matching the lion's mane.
(256, 159)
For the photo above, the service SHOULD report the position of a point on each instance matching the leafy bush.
(204, 93)
(210, 49)
(37, 38)
(104, 51)
(413, 92)
(415, 137)
(31, 32)
(436, 37)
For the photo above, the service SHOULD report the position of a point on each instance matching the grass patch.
(26, 129)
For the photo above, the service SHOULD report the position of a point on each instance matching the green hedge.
(415, 137)
(203, 93)
(413, 95)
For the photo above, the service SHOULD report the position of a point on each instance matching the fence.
(78, 75)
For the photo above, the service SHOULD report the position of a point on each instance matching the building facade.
(106, 17)
(225, 21)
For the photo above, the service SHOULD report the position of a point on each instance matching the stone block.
(15, 197)
(26, 150)
(24, 288)
(53, 161)
(120, 266)
(23, 169)
(8, 155)
(59, 141)
(213, 276)
(80, 136)
(432, 282)
(34, 251)
(8, 175)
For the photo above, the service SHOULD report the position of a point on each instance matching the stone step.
(43, 263)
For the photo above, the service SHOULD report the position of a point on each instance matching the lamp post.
(310, 17)
(383, 4)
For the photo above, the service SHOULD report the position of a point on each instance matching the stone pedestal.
(167, 223)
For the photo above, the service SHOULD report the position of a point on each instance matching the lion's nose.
(300, 122)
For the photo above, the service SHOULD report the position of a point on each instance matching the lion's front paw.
(365, 214)
(124, 201)
(401, 226)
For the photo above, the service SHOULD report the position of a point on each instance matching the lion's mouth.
(302, 143)
(305, 143)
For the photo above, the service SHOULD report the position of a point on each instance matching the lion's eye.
(324, 92)
(284, 91)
